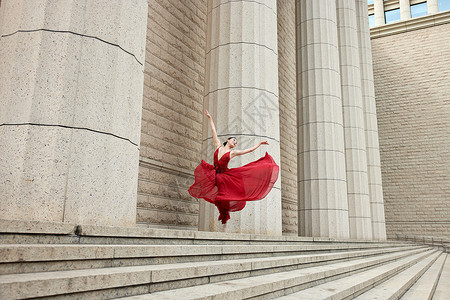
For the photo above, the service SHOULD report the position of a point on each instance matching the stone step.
(42, 258)
(442, 291)
(29, 232)
(351, 286)
(277, 285)
(396, 286)
(119, 281)
(424, 287)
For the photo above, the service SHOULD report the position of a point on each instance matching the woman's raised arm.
(240, 152)
(213, 130)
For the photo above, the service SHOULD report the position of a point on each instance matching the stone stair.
(89, 262)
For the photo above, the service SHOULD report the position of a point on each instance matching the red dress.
(230, 189)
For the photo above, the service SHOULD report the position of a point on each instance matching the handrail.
(443, 242)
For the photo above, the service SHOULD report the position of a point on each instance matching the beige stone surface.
(33, 187)
(82, 18)
(378, 8)
(51, 81)
(352, 285)
(276, 282)
(370, 124)
(30, 253)
(354, 127)
(113, 203)
(405, 9)
(2, 17)
(18, 226)
(71, 94)
(60, 282)
(50, 186)
(424, 287)
(64, 282)
(323, 206)
(172, 112)
(399, 284)
(442, 289)
(432, 6)
(413, 110)
(241, 93)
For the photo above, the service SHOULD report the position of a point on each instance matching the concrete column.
(432, 6)
(353, 112)
(71, 85)
(378, 10)
(405, 10)
(370, 119)
(241, 88)
(323, 206)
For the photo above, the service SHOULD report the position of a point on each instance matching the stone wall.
(172, 113)
(412, 76)
(288, 114)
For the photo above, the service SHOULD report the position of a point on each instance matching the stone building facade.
(411, 59)
(102, 114)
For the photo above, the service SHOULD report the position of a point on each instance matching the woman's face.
(232, 142)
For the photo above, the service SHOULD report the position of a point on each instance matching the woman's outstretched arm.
(240, 152)
(213, 129)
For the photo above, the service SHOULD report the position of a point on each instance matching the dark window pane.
(392, 15)
(369, 1)
(371, 20)
(418, 10)
(443, 5)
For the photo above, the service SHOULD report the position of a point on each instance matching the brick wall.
(412, 87)
(288, 114)
(172, 113)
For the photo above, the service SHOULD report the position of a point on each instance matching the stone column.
(241, 88)
(370, 119)
(71, 86)
(323, 206)
(2, 15)
(353, 112)
(405, 10)
(432, 7)
(378, 10)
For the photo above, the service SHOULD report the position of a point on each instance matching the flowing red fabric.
(230, 189)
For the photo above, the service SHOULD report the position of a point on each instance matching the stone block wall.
(288, 115)
(172, 113)
(412, 76)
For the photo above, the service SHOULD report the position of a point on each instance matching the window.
(443, 5)
(369, 1)
(418, 10)
(372, 20)
(392, 15)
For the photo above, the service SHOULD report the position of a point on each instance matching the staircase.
(91, 262)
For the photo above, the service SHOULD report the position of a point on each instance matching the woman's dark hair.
(225, 143)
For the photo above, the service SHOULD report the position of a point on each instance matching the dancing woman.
(230, 189)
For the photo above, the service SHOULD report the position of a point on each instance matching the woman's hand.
(240, 152)
(213, 130)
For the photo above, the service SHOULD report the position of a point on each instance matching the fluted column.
(241, 88)
(71, 85)
(405, 10)
(353, 113)
(370, 119)
(378, 9)
(432, 6)
(323, 206)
